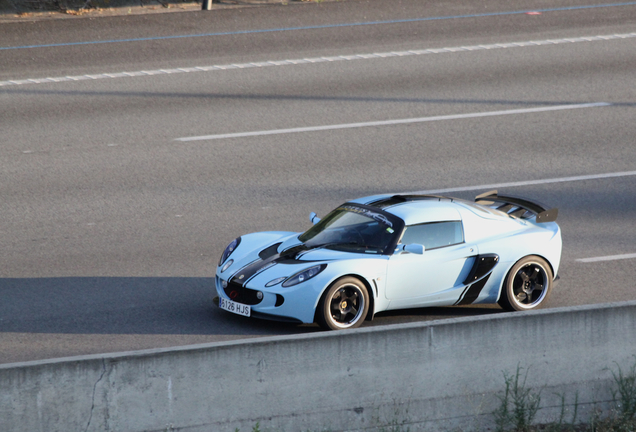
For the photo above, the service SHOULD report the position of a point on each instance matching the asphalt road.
(113, 217)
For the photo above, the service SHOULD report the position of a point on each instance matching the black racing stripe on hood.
(288, 256)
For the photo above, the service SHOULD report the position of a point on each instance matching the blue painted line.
(326, 26)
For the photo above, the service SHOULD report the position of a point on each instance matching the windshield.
(354, 228)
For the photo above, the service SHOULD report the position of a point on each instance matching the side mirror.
(313, 218)
(410, 248)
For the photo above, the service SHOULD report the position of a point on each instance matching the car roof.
(415, 209)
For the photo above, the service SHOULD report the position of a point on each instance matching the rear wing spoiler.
(517, 207)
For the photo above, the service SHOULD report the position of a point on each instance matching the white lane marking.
(391, 122)
(351, 57)
(525, 183)
(607, 258)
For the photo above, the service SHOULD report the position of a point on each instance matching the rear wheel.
(344, 305)
(527, 285)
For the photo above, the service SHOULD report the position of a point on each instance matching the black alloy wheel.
(527, 285)
(344, 305)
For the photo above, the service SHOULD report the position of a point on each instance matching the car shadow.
(124, 305)
(153, 306)
(433, 313)
(44, 318)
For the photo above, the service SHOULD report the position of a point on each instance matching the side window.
(434, 235)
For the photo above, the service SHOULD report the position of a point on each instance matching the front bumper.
(272, 305)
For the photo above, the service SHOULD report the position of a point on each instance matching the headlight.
(304, 275)
(229, 249)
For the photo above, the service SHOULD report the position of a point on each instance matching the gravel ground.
(30, 10)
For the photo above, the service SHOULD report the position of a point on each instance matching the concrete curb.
(431, 376)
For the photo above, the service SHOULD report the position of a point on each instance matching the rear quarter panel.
(511, 239)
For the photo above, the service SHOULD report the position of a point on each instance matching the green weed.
(625, 394)
(519, 405)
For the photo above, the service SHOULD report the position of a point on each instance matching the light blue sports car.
(391, 252)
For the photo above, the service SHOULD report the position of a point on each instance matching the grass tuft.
(519, 405)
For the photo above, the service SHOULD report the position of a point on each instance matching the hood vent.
(269, 251)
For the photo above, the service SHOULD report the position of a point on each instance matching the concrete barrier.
(429, 376)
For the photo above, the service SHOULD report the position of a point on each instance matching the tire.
(527, 285)
(344, 305)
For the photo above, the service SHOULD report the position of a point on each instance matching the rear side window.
(434, 235)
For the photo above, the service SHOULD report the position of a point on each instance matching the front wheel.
(344, 305)
(527, 285)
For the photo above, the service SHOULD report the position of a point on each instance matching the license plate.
(234, 307)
